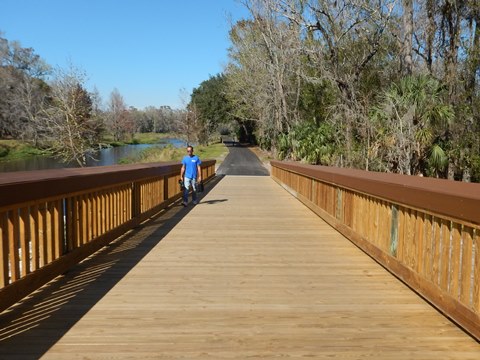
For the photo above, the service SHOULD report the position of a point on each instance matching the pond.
(108, 156)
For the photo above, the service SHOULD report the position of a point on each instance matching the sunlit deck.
(250, 272)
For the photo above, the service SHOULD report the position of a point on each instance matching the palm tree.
(410, 120)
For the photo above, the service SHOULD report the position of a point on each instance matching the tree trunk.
(451, 171)
(407, 60)
(452, 19)
(473, 57)
(430, 33)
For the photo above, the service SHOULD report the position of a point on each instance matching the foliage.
(170, 153)
(69, 126)
(14, 150)
(390, 86)
(316, 100)
(212, 107)
(309, 142)
(380, 85)
(52, 109)
(151, 138)
(22, 90)
(156, 154)
(410, 119)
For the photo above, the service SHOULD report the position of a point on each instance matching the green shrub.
(4, 151)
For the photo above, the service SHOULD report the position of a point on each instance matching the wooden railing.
(425, 231)
(51, 220)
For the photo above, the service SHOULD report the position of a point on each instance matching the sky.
(154, 52)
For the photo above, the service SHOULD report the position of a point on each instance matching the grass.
(151, 138)
(170, 153)
(139, 138)
(263, 155)
(15, 150)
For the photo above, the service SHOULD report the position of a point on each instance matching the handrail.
(52, 219)
(425, 231)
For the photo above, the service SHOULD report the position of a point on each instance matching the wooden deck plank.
(249, 272)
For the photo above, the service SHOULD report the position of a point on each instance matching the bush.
(4, 151)
(309, 142)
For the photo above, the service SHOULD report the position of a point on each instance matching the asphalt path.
(241, 161)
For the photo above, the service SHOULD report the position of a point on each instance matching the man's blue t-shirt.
(191, 163)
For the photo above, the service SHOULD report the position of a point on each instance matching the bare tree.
(68, 124)
(116, 117)
(334, 42)
(264, 77)
(186, 122)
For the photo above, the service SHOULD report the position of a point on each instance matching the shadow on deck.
(34, 325)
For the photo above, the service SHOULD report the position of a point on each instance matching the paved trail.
(241, 161)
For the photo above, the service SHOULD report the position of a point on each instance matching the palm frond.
(438, 159)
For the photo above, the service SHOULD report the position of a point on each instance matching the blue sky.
(147, 49)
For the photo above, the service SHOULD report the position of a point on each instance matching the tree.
(22, 91)
(213, 107)
(118, 121)
(264, 74)
(407, 49)
(412, 118)
(473, 61)
(68, 126)
(384, 76)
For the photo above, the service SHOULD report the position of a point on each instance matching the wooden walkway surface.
(249, 273)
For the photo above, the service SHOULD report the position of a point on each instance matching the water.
(108, 156)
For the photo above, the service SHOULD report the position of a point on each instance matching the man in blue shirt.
(190, 174)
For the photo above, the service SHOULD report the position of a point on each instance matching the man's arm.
(199, 172)
(182, 171)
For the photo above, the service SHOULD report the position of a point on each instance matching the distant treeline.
(51, 108)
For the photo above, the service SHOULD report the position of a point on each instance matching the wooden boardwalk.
(249, 273)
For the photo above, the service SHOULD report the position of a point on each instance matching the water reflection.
(109, 156)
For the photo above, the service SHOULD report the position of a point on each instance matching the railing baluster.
(476, 273)
(13, 245)
(466, 269)
(34, 236)
(24, 233)
(4, 272)
(420, 244)
(428, 246)
(455, 259)
(445, 246)
(437, 230)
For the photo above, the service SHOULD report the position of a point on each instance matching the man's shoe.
(195, 202)
(184, 203)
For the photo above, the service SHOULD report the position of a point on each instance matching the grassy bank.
(170, 153)
(16, 150)
(140, 138)
(152, 138)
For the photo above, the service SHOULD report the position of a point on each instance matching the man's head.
(190, 150)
